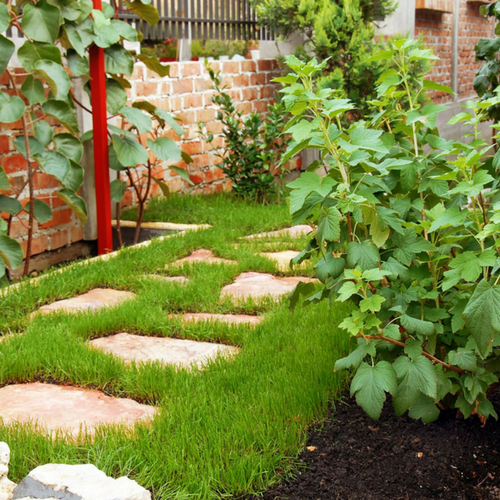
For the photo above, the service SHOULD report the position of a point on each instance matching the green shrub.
(487, 80)
(252, 146)
(339, 32)
(407, 229)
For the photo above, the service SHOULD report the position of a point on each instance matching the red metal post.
(101, 159)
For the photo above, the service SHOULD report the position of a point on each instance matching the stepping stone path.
(282, 259)
(171, 279)
(94, 300)
(68, 409)
(202, 255)
(230, 319)
(259, 285)
(293, 232)
(168, 351)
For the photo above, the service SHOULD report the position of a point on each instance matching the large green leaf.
(118, 189)
(470, 266)
(328, 225)
(41, 22)
(146, 12)
(370, 385)
(62, 112)
(78, 65)
(409, 244)
(9, 205)
(165, 149)
(53, 163)
(75, 39)
(70, 146)
(415, 376)
(34, 144)
(367, 139)
(173, 122)
(425, 409)
(32, 52)
(4, 180)
(74, 178)
(41, 211)
(55, 76)
(417, 326)
(11, 108)
(464, 359)
(43, 132)
(106, 34)
(4, 17)
(7, 48)
(137, 118)
(364, 254)
(154, 64)
(76, 203)
(125, 30)
(11, 252)
(329, 266)
(482, 315)
(116, 96)
(118, 60)
(70, 9)
(129, 152)
(33, 90)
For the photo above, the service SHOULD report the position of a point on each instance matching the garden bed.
(230, 428)
(353, 457)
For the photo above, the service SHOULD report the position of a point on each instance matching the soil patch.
(352, 457)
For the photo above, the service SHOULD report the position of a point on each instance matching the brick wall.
(186, 93)
(437, 29)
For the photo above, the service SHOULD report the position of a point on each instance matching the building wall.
(186, 93)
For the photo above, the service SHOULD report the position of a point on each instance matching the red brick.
(202, 84)
(174, 70)
(4, 145)
(258, 79)
(191, 69)
(60, 217)
(205, 115)
(213, 175)
(197, 177)
(192, 148)
(265, 65)
(248, 66)
(146, 89)
(241, 81)
(193, 101)
(76, 233)
(182, 86)
(127, 199)
(249, 94)
(44, 181)
(244, 107)
(39, 244)
(13, 163)
(218, 188)
(230, 67)
(18, 229)
(59, 239)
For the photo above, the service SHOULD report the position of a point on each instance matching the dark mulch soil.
(351, 457)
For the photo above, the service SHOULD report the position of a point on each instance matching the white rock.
(77, 482)
(6, 486)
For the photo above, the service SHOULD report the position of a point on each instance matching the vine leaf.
(137, 118)
(328, 225)
(482, 315)
(10, 251)
(55, 76)
(41, 22)
(415, 376)
(32, 52)
(76, 203)
(118, 60)
(129, 152)
(70, 146)
(9, 205)
(62, 111)
(364, 254)
(33, 90)
(146, 12)
(7, 48)
(370, 385)
(41, 211)
(11, 108)
(53, 163)
(118, 189)
(154, 65)
(165, 149)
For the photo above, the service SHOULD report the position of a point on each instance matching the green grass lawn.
(235, 427)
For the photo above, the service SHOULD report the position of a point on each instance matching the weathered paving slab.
(259, 285)
(282, 259)
(6, 486)
(293, 232)
(166, 350)
(171, 279)
(201, 255)
(96, 299)
(230, 319)
(77, 482)
(68, 409)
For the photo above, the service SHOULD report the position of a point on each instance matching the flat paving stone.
(293, 232)
(96, 299)
(202, 255)
(282, 259)
(68, 409)
(170, 279)
(168, 351)
(259, 285)
(230, 319)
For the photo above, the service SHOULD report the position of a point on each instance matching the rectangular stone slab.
(177, 352)
(293, 232)
(282, 259)
(230, 319)
(259, 285)
(68, 409)
(94, 300)
(201, 256)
